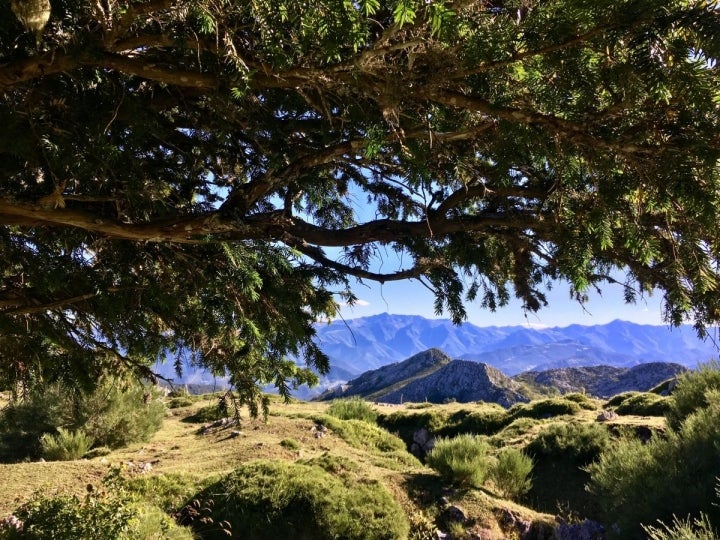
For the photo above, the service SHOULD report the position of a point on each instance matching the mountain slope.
(603, 381)
(432, 376)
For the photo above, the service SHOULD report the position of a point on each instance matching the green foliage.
(109, 513)
(486, 421)
(687, 529)
(575, 441)
(290, 444)
(583, 400)
(178, 402)
(115, 414)
(644, 404)
(65, 445)
(267, 499)
(354, 408)
(511, 473)
(169, 491)
(642, 483)
(463, 460)
(361, 434)
(544, 408)
(209, 413)
(620, 398)
(691, 392)
(118, 413)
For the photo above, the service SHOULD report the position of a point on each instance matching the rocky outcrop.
(378, 380)
(462, 381)
(604, 381)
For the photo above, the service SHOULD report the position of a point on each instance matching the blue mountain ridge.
(355, 346)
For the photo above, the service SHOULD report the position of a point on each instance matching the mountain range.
(432, 376)
(356, 346)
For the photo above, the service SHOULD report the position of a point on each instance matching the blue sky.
(411, 298)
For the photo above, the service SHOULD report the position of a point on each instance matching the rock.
(587, 530)
(234, 433)
(606, 416)
(455, 513)
(423, 442)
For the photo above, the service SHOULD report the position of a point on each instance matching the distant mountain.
(363, 344)
(433, 377)
(603, 381)
(359, 345)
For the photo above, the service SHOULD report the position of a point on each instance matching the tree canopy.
(210, 175)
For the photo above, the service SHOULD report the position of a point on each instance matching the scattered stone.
(587, 530)
(12, 522)
(423, 442)
(41, 460)
(234, 433)
(606, 416)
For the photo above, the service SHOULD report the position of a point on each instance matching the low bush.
(272, 499)
(353, 408)
(620, 398)
(683, 529)
(114, 414)
(675, 475)
(110, 513)
(583, 400)
(544, 408)
(360, 434)
(644, 404)
(209, 413)
(691, 392)
(290, 444)
(170, 491)
(511, 473)
(579, 442)
(179, 402)
(490, 419)
(66, 445)
(463, 460)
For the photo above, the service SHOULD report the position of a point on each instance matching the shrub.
(620, 398)
(112, 513)
(360, 434)
(66, 445)
(354, 408)
(209, 413)
(462, 460)
(644, 404)
(642, 483)
(120, 413)
(290, 444)
(488, 420)
(688, 529)
(581, 399)
(178, 402)
(170, 491)
(115, 414)
(511, 473)
(690, 394)
(544, 408)
(272, 499)
(579, 442)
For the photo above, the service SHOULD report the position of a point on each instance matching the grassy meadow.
(188, 458)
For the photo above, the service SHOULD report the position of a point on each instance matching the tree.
(191, 175)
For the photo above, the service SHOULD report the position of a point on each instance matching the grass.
(185, 462)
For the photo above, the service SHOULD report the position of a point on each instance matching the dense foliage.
(316, 499)
(201, 178)
(463, 460)
(674, 476)
(118, 412)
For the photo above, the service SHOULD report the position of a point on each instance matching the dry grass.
(180, 448)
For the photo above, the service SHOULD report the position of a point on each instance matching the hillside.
(433, 377)
(603, 381)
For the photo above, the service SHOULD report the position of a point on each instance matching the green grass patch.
(274, 499)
